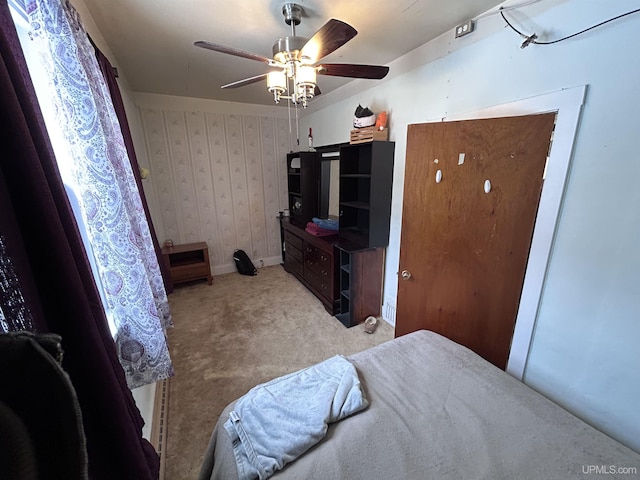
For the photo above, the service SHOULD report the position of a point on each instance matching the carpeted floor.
(237, 333)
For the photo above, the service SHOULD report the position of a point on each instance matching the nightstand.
(188, 262)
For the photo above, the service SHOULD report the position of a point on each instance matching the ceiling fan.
(294, 65)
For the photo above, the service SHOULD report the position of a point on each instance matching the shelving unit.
(343, 271)
(293, 182)
(329, 156)
(345, 285)
(303, 181)
(366, 176)
(360, 283)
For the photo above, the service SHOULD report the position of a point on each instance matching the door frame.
(567, 104)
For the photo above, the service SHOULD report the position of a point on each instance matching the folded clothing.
(318, 231)
(276, 422)
(326, 223)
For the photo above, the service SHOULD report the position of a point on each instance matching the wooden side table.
(188, 262)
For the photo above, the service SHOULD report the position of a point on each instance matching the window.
(56, 135)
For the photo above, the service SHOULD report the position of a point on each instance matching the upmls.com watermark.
(608, 470)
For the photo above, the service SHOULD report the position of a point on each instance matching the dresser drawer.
(293, 252)
(321, 256)
(293, 265)
(322, 286)
(189, 272)
(321, 269)
(311, 260)
(291, 240)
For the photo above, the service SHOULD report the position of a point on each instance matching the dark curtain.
(43, 244)
(118, 104)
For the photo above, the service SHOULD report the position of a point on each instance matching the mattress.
(439, 411)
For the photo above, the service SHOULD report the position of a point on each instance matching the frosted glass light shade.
(276, 81)
(306, 76)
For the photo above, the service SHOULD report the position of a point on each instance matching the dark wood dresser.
(312, 260)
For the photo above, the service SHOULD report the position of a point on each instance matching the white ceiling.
(152, 40)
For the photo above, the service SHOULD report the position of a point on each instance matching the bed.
(437, 410)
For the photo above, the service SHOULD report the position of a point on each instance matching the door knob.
(406, 274)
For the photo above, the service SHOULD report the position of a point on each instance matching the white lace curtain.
(110, 206)
(14, 314)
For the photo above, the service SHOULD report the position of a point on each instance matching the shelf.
(357, 231)
(303, 173)
(344, 319)
(355, 175)
(356, 204)
(186, 261)
(366, 177)
(361, 287)
(356, 235)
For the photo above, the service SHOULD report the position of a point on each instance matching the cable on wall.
(529, 39)
(506, 8)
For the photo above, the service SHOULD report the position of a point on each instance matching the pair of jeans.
(276, 422)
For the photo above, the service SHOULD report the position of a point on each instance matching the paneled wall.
(216, 175)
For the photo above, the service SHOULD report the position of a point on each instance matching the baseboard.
(158, 436)
(258, 263)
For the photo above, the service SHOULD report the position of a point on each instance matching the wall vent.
(389, 311)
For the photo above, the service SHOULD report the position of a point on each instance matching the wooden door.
(463, 251)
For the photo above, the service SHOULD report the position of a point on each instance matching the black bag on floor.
(243, 263)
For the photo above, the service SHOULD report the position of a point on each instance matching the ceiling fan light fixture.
(295, 59)
(277, 84)
(305, 83)
(306, 76)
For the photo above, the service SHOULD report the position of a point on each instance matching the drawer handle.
(323, 258)
(325, 273)
(309, 250)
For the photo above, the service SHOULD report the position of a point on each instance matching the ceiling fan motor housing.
(288, 48)
(292, 13)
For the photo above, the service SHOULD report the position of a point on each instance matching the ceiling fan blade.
(246, 81)
(331, 36)
(374, 72)
(231, 51)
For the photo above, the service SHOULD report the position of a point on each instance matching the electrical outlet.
(465, 28)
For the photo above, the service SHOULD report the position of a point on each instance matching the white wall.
(584, 352)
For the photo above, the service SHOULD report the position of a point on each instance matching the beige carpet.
(237, 333)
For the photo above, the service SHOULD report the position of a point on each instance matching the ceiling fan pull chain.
(297, 126)
(289, 113)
